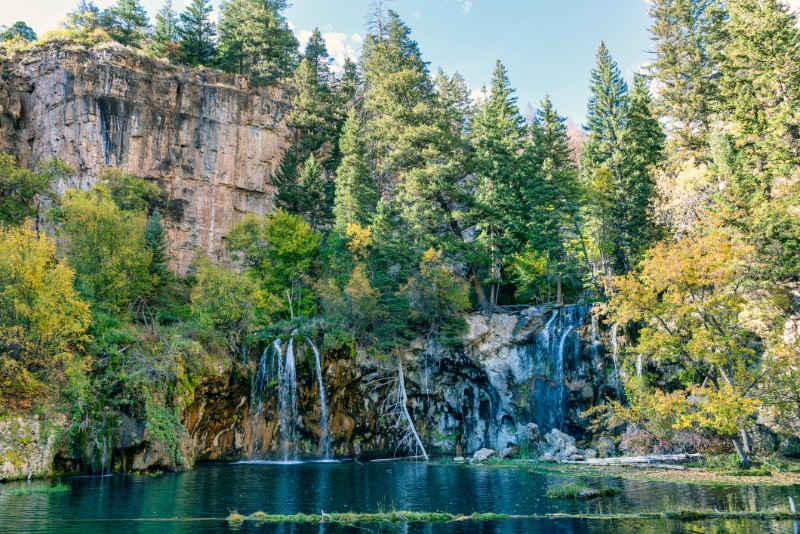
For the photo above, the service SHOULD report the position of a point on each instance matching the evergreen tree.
(197, 33)
(398, 95)
(314, 117)
(552, 200)
(688, 35)
(606, 118)
(497, 138)
(255, 39)
(355, 197)
(642, 151)
(126, 22)
(760, 88)
(165, 34)
(155, 241)
(607, 110)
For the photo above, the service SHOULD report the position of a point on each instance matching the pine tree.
(552, 196)
(607, 109)
(255, 39)
(398, 94)
(126, 21)
(606, 117)
(688, 35)
(155, 241)
(760, 87)
(314, 118)
(497, 138)
(197, 33)
(642, 151)
(165, 34)
(355, 197)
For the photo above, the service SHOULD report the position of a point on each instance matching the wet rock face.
(500, 389)
(210, 140)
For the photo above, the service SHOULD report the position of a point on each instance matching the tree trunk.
(401, 384)
(748, 449)
(743, 459)
(559, 293)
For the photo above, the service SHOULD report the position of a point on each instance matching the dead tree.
(395, 406)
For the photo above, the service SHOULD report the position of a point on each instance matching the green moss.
(580, 491)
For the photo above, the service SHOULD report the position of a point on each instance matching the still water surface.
(161, 505)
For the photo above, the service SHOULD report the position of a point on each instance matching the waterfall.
(257, 392)
(325, 439)
(639, 365)
(615, 357)
(287, 400)
(279, 364)
(550, 347)
(595, 337)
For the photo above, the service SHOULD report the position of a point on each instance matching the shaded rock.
(508, 453)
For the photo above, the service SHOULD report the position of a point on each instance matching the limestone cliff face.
(210, 140)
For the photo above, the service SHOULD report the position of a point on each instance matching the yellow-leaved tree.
(43, 321)
(690, 301)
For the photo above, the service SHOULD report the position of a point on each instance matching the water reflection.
(161, 505)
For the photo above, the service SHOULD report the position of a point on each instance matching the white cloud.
(466, 6)
(794, 4)
(340, 46)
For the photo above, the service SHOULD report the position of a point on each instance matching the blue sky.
(548, 46)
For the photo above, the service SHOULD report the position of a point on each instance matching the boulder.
(558, 446)
(483, 454)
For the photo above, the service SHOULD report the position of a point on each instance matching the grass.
(58, 487)
(442, 517)
(580, 491)
(354, 518)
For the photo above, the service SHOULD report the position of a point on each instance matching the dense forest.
(403, 204)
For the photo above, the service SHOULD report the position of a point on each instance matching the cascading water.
(325, 439)
(560, 331)
(287, 401)
(281, 365)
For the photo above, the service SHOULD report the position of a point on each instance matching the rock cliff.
(210, 140)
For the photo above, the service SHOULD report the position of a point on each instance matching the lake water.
(177, 503)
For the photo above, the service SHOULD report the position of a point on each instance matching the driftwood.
(656, 461)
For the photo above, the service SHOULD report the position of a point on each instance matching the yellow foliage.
(42, 319)
(360, 240)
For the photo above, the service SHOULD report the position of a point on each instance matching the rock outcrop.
(210, 140)
(28, 445)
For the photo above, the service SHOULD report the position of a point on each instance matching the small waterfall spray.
(325, 447)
